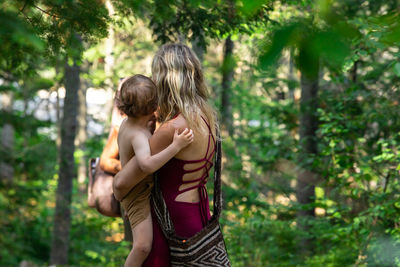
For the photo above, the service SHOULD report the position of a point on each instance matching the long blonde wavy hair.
(181, 87)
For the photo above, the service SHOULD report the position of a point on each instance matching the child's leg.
(142, 241)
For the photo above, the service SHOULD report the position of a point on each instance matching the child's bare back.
(125, 136)
(136, 203)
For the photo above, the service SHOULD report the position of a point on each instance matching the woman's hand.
(183, 139)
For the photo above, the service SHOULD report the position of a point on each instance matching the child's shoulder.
(129, 131)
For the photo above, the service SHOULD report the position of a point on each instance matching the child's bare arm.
(149, 163)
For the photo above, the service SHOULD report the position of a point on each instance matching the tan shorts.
(137, 202)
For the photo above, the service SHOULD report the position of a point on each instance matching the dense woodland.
(307, 94)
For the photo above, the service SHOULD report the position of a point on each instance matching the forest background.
(307, 93)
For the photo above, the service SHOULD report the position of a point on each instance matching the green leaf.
(392, 36)
(250, 7)
(280, 39)
(396, 69)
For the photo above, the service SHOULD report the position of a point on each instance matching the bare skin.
(132, 174)
(109, 160)
(133, 141)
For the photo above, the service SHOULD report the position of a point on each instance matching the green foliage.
(31, 27)
(352, 44)
(198, 20)
(357, 136)
(26, 212)
(312, 43)
(88, 225)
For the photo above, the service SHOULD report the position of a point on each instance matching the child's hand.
(184, 139)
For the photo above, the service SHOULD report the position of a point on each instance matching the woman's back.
(192, 159)
(182, 182)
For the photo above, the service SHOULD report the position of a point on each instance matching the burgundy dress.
(188, 218)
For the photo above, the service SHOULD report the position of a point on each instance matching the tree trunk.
(7, 142)
(198, 48)
(82, 136)
(291, 76)
(62, 217)
(353, 72)
(306, 179)
(227, 79)
(109, 62)
(58, 109)
(7, 147)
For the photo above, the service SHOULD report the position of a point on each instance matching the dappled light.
(307, 99)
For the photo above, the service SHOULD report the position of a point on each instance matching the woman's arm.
(109, 161)
(131, 174)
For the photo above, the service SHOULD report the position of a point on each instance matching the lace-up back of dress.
(181, 177)
(196, 172)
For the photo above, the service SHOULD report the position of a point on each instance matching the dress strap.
(210, 134)
(208, 125)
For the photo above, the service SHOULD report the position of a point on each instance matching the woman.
(182, 99)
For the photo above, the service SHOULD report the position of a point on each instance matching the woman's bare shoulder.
(164, 134)
(179, 122)
(176, 123)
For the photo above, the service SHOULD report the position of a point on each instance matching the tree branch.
(25, 4)
(386, 181)
(46, 12)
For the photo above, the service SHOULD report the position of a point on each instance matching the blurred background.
(307, 94)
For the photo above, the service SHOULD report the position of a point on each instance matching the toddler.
(138, 100)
